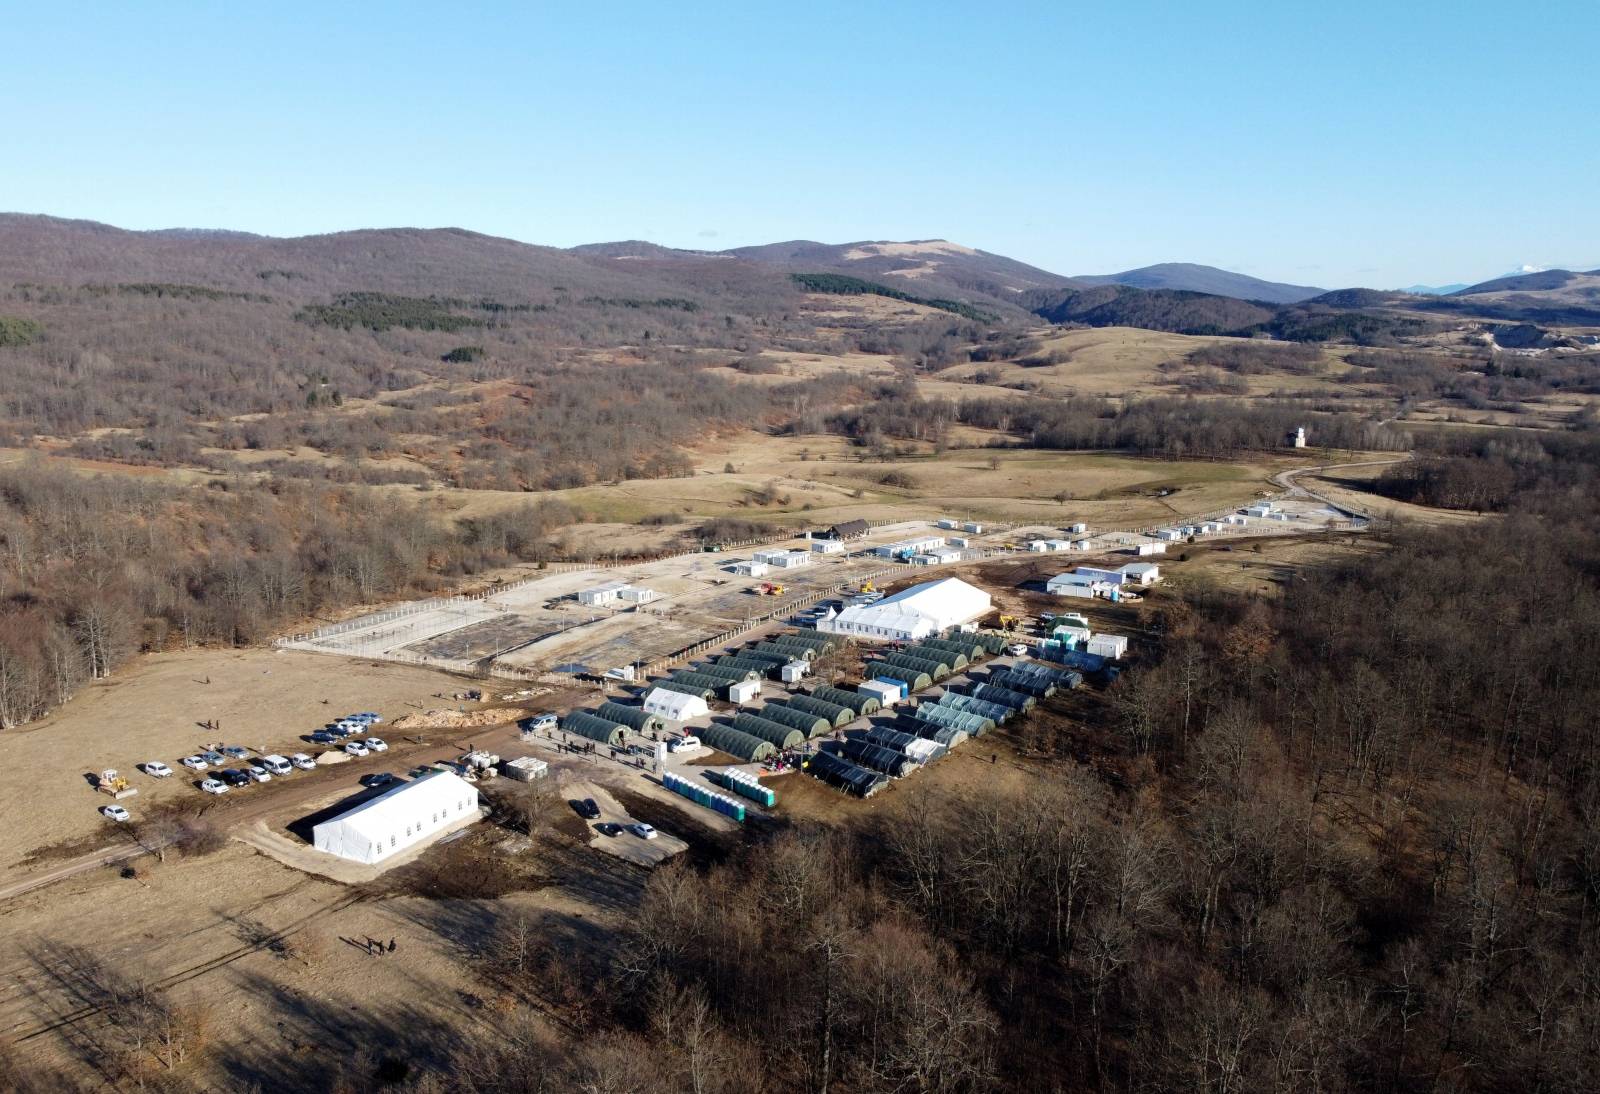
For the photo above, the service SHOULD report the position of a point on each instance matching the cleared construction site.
(620, 621)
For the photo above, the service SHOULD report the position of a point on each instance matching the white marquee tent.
(674, 706)
(917, 612)
(398, 819)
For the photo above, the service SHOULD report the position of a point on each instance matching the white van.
(277, 765)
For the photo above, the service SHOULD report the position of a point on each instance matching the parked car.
(1017, 649)
(377, 744)
(642, 830)
(371, 717)
(235, 777)
(543, 721)
(212, 786)
(350, 725)
(377, 779)
(277, 765)
(303, 762)
(609, 828)
(682, 744)
(194, 763)
(115, 813)
(587, 809)
(215, 759)
(238, 752)
(323, 737)
(356, 748)
(157, 770)
(258, 773)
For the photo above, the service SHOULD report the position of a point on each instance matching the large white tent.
(674, 706)
(914, 613)
(395, 820)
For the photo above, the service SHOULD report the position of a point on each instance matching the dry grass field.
(152, 710)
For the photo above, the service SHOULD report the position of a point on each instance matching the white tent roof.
(398, 818)
(919, 610)
(674, 705)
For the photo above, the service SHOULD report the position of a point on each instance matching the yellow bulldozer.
(114, 784)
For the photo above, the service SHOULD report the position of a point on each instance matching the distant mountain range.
(1179, 297)
(1189, 277)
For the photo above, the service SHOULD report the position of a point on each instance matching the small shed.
(637, 594)
(850, 529)
(745, 691)
(1144, 573)
(827, 546)
(885, 689)
(1077, 529)
(1113, 646)
(1156, 548)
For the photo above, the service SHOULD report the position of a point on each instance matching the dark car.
(587, 809)
(377, 779)
(322, 737)
(609, 829)
(234, 777)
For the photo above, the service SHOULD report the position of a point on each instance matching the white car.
(371, 717)
(377, 744)
(195, 763)
(683, 744)
(642, 830)
(356, 748)
(350, 725)
(115, 813)
(1017, 650)
(259, 773)
(213, 786)
(303, 762)
(157, 770)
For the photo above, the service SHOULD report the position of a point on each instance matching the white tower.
(1300, 437)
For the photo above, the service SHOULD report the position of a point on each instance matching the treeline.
(1173, 428)
(1490, 470)
(1256, 358)
(1183, 312)
(844, 285)
(94, 570)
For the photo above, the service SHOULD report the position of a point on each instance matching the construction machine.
(114, 784)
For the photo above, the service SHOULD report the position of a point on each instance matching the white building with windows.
(598, 596)
(784, 559)
(412, 813)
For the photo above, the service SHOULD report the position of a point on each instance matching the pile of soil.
(455, 719)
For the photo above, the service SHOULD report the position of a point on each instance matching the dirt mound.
(455, 719)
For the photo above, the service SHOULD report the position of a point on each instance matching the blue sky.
(1363, 143)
